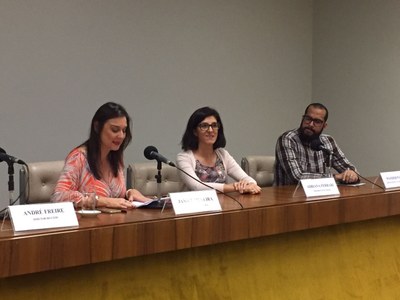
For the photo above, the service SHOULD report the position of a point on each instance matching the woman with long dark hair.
(97, 165)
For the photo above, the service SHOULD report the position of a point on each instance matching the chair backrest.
(141, 176)
(260, 167)
(37, 182)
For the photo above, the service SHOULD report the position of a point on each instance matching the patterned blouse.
(77, 178)
(211, 174)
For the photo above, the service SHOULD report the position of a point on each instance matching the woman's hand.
(114, 203)
(246, 187)
(135, 195)
(121, 203)
(252, 188)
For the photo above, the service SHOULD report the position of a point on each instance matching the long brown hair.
(109, 110)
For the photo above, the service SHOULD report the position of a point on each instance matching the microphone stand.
(330, 161)
(159, 177)
(10, 181)
(328, 165)
(159, 180)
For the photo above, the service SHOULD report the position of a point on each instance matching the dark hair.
(320, 106)
(109, 110)
(190, 141)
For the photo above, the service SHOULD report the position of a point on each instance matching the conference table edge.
(74, 247)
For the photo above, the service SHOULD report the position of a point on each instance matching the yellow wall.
(353, 261)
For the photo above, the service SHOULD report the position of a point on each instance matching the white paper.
(138, 204)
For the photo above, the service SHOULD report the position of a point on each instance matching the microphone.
(9, 159)
(151, 152)
(317, 145)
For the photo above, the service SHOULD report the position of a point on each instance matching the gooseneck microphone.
(151, 152)
(317, 145)
(10, 159)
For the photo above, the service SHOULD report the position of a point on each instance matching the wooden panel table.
(143, 232)
(279, 246)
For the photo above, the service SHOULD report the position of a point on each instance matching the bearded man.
(299, 151)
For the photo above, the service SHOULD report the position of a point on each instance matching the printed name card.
(320, 187)
(41, 216)
(391, 180)
(195, 202)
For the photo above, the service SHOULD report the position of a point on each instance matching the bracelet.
(126, 194)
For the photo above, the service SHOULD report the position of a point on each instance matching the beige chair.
(141, 176)
(260, 167)
(37, 185)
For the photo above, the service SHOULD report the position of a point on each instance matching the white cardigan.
(187, 162)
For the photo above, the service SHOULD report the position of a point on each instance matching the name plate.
(320, 187)
(391, 180)
(41, 216)
(195, 202)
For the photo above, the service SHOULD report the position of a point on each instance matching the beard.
(306, 136)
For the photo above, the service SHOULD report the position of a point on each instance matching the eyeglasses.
(308, 120)
(205, 126)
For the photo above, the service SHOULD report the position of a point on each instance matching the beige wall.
(60, 60)
(356, 71)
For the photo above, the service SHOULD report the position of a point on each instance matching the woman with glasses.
(205, 158)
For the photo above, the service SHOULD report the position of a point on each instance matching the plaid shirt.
(293, 158)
